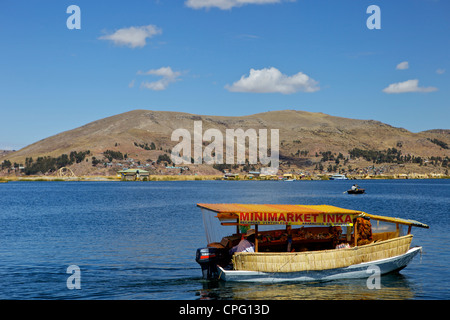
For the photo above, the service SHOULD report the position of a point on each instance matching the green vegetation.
(222, 166)
(6, 164)
(440, 143)
(95, 161)
(78, 157)
(110, 155)
(145, 146)
(164, 157)
(302, 153)
(50, 164)
(391, 155)
(329, 156)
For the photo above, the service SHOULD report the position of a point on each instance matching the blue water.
(137, 240)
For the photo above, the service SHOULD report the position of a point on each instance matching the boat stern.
(209, 259)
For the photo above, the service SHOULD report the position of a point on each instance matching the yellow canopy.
(283, 214)
(294, 214)
(407, 222)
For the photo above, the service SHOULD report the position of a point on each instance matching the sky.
(62, 68)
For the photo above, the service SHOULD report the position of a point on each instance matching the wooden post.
(288, 229)
(256, 238)
(409, 229)
(355, 232)
(289, 232)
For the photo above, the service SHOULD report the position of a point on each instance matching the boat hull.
(338, 177)
(357, 191)
(361, 270)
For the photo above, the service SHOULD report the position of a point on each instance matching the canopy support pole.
(256, 238)
(349, 233)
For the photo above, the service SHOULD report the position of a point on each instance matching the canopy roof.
(233, 208)
(407, 222)
(134, 171)
(295, 214)
(283, 214)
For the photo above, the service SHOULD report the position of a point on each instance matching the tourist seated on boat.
(355, 187)
(246, 244)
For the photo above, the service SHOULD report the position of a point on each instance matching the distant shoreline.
(201, 178)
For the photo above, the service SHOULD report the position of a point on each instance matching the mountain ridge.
(298, 131)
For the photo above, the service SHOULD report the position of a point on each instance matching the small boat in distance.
(301, 243)
(338, 177)
(355, 189)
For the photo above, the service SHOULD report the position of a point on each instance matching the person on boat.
(246, 244)
(355, 187)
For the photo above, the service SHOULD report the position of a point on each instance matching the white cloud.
(440, 71)
(407, 86)
(227, 4)
(132, 37)
(272, 80)
(403, 65)
(168, 76)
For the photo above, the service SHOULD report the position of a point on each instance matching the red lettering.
(244, 216)
(272, 217)
(348, 219)
(258, 216)
(307, 217)
(339, 218)
(298, 217)
(315, 215)
(290, 217)
(330, 218)
(281, 217)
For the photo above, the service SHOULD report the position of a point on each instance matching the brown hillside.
(299, 130)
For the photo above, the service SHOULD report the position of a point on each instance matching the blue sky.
(221, 57)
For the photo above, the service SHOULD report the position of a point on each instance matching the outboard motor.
(208, 258)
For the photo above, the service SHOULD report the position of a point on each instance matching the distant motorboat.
(338, 177)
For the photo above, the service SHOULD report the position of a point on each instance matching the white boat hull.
(362, 270)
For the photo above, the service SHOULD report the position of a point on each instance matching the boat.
(288, 177)
(356, 191)
(338, 177)
(302, 243)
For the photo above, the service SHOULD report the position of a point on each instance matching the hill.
(307, 140)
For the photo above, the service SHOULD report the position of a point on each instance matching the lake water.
(137, 240)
